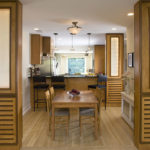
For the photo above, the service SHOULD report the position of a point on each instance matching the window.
(76, 65)
(114, 56)
(4, 48)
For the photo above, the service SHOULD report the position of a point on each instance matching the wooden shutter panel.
(7, 120)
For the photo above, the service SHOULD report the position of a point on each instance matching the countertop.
(73, 76)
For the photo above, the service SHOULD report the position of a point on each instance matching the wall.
(130, 49)
(25, 66)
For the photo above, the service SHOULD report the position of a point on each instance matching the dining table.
(86, 99)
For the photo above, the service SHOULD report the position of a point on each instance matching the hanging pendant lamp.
(72, 47)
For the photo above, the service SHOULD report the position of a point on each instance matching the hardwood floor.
(115, 133)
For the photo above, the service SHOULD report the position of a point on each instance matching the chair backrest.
(102, 80)
(37, 79)
(48, 101)
(52, 92)
(99, 94)
(57, 79)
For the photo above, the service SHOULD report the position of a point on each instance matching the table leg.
(96, 126)
(53, 123)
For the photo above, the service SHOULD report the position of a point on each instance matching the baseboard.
(26, 109)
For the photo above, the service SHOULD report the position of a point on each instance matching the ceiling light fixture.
(114, 29)
(55, 47)
(131, 14)
(36, 29)
(72, 48)
(74, 29)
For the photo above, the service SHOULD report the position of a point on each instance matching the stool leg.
(37, 97)
(34, 99)
(46, 103)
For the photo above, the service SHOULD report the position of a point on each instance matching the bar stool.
(58, 82)
(39, 84)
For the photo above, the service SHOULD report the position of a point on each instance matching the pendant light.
(72, 47)
(74, 29)
(89, 45)
(55, 46)
(89, 41)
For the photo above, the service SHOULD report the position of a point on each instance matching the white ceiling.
(94, 16)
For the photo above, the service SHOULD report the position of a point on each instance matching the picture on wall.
(131, 60)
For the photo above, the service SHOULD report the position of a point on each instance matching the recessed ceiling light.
(131, 14)
(36, 29)
(114, 29)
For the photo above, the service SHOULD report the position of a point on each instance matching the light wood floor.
(115, 133)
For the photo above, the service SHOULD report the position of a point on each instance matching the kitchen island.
(79, 82)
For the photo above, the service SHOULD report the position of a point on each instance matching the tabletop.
(84, 97)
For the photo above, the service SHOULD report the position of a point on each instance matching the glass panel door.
(4, 48)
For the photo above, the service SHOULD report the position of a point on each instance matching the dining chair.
(101, 83)
(86, 114)
(59, 114)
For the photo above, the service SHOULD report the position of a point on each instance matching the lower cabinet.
(128, 109)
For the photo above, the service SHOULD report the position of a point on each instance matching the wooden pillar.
(11, 75)
(142, 74)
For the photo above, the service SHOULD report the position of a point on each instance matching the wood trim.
(16, 76)
(137, 72)
(11, 6)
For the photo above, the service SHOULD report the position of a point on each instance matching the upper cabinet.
(36, 49)
(99, 59)
(46, 45)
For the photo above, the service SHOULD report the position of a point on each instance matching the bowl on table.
(73, 93)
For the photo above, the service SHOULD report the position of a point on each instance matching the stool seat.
(41, 86)
(59, 86)
(92, 86)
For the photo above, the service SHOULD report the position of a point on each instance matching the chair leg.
(80, 124)
(67, 126)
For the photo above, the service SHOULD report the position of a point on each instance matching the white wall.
(25, 66)
(130, 49)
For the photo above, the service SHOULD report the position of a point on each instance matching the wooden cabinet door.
(99, 58)
(36, 49)
(46, 45)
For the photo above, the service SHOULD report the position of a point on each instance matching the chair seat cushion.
(41, 86)
(92, 86)
(87, 112)
(61, 112)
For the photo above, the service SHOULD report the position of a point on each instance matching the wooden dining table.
(86, 99)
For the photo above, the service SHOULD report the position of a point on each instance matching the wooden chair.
(101, 83)
(86, 114)
(59, 114)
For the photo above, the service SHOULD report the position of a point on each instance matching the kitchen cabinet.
(46, 45)
(36, 49)
(99, 59)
